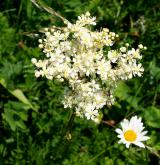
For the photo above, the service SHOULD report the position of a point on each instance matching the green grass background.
(33, 121)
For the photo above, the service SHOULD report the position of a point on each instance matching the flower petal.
(143, 138)
(140, 144)
(127, 145)
(119, 131)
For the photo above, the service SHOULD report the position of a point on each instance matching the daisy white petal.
(143, 138)
(140, 144)
(127, 145)
(119, 131)
(144, 132)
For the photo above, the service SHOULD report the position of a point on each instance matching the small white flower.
(37, 73)
(34, 60)
(40, 40)
(140, 46)
(132, 132)
(91, 114)
(123, 49)
(41, 46)
(113, 55)
(145, 48)
(127, 44)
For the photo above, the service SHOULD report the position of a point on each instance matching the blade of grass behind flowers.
(41, 5)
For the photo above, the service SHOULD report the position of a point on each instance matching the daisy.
(132, 132)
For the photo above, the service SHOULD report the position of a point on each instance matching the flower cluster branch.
(86, 61)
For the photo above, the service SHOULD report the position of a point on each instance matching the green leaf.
(18, 94)
(15, 113)
(152, 116)
(154, 70)
(122, 91)
(21, 124)
(157, 146)
(8, 116)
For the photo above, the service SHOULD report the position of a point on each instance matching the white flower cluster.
(85, 60)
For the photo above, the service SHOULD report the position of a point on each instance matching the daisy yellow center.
(130, 135)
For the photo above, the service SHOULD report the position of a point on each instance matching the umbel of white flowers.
(86, 61)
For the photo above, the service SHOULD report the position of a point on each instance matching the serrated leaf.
(15, 113)
(152, 116)
(122, 91)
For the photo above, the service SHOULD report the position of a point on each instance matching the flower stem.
(70, 124)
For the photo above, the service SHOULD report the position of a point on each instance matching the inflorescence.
(86, 61)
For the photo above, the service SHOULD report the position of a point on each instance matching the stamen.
(130, 135)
